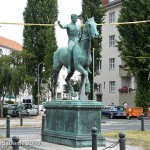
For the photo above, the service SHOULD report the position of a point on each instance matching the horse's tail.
(52, 84)
(54, 73)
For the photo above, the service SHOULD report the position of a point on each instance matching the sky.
(11, 11)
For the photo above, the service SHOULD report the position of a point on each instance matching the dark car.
(113, 112)
(14, 110)
(30, 109)
(11, 110)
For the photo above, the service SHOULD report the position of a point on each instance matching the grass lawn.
(137, 138)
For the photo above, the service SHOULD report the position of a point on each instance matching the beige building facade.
(116, 85)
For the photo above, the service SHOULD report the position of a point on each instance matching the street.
(23, 132)
(107, 125)
(123, 124)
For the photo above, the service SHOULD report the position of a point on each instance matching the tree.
(40, 40)
(87, 11)
(134, 46)
(19, 78)
(5, 79)
(75, 84)
(13, 78)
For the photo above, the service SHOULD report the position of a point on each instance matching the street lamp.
(93, 75)
(97, 73)
(38, 76)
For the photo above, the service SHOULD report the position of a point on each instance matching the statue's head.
(74, 17)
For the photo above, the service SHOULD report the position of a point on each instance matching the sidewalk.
(40, 145)
(32, 121)
(37, 122)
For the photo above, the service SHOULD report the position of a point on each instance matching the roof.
(10, 44)
(110, 4)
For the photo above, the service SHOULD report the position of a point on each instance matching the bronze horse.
(81, 59)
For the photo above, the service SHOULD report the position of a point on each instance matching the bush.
(65, 98)
(9, 102)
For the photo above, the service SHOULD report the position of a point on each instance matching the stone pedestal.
(70, 123)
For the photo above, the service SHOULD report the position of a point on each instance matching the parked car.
(5, 105)
(31, 109)
(43, 109)
(11, 110)
(113, 111)
(14, 110)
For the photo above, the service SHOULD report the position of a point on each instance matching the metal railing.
(121, 141)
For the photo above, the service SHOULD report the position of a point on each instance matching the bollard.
(43, 123)
(8, 126)
(122, 141)
(94, 138)
(142, 122)
(15, 144)
(21, 119)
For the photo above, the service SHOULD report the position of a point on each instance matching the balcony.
(125, 89)
(124, 71)
(127, 96)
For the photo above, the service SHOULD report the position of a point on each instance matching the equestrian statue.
(77, 56)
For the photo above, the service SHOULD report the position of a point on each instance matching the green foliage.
(134, 46)
(87, 11)
(40, 40)
(65, 98)
(75, 84)
(13, 78)
(9, 102)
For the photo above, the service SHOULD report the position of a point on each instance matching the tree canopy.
(40, 40)
(13, 77)
(87, 11)
(134, 46)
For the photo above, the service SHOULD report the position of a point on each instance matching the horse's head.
(91, 28)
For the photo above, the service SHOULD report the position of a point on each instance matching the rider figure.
(73, 32)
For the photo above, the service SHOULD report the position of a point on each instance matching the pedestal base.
(70, 123)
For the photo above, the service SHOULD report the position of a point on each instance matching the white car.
(43, 109)
(31, 109)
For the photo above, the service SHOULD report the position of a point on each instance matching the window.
(99, 87)
(1, 51)
(111, 17)
(100, 64)
(112, 63)
(111, 40)
(112, 86)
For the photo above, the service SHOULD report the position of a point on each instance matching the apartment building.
(115, 85)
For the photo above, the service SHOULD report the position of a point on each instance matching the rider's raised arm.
(62, 26)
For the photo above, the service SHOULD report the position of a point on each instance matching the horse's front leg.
(81, 85)
(87, 84)
(85, 72)
(69, 84)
